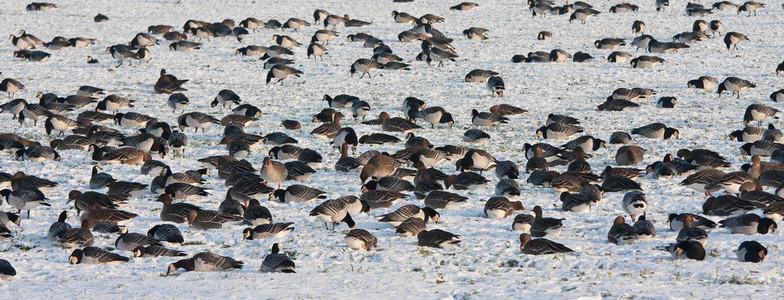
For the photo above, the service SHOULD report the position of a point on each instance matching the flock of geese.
(92, 121)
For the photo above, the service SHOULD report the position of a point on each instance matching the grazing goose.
(297, 193)
(475, 33)
(182, 190)
(389, 183)
(126, 189)
(25, 198)
(10, 86)
(205, 262)
(364, 66)
(496, 86)
(506, 110)
(735, 85)
(645, 61)
(545, 227)
(621, 233)
(196, 120)
(677, 222)
(751, 251)
(435, 115)
(114, 103)
(479, 75)
(655, 46)
(638, 27)
(122, 53)
(382, 198)
(487, 118)
(699, 180)
(275, 262)
(687, 250)
(559, 131)
(731, 182)
(759, 113)
(131, 241)
(750, 7)
(333, 212)
(727, 205)
(609, 43)
(95, 255)
(657, 131)
(281, 72)
(360, 239)
(704, 82)
(407, 211)
(225, 97)
(267, 231)
(433, 54)
(749, 224)
(541, 246)
(732, 39)
(437, 238)
(444, 200)
(396, 124)
(582, 14)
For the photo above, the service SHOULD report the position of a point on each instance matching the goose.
(251, 23)
(275, 262)
(175, 212)
(132, 119)
(252, 50)
(749, 224)
(464, 6)
(677, 222)
(333, 212)
(691, 232)
(97, 215)
(657, 131)
(495, 85)
(475, 33)
(751, 251)
(389, 183)
(444, 200)
(267, 231)
(501, 207)
(407, 211)
(437, 238)
(323, 36)
(6, 270)
(210, 219)
(360, 239)
(77, 237)
(205, 262)
(156, 251)
(687, 250)
(364, 66)
(655, 46)
(638, 27)
(545, 227)
(166, 233)
(732, 39)
(621, 233)
(411, 227)
(10, 86)
(582, 14)
(122, 53)
(699, 180)
(750, 7)
(114, 103)
(558, 131)
(196, 120)
(25, 198)
(382, 198)
(645, 61)
(726, 205)
(297, 193)
(95, 255)
(281, 72)
(255, 214)
(360, 109)
(735, 85)
(131, 241)
(541, 246)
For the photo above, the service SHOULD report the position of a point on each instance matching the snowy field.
(488, 264)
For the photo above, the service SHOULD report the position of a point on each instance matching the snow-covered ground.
(489, 263)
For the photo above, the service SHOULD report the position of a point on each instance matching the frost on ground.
(489, 263)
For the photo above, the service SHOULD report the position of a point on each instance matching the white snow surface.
(488, 264)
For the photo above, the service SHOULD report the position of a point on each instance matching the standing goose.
(323, 36)
(479, 75)
(60, 123)
(411, 227)
(609, 43)
(750, 6)
(25, 198)
(732, 39)
(396, 124)
(273, 171)
(333, 212)
(475, 33)
(225, 97)
(389, 183)
(435, 115)
(275, 262)
(496, 86)
(382, 198)
(132, 119)
(634, 204)
(621, 233)
(316, 50)
(95, 255)
(131, 241)
(759, 113)
(205, 262)
(735, 85)
(437, 238)
(699, 180)
(114, 103)
(185, 191)
(122, 53)
(638, 27)
(364, 66)
(10, 86)
(294, 24)
(360, 239)
(541, 246)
